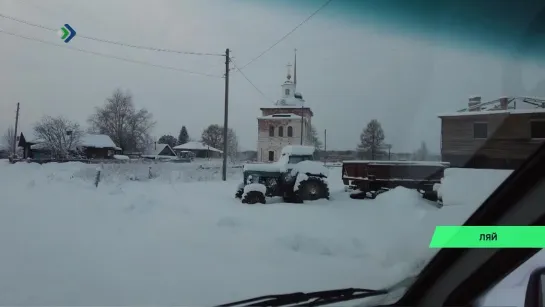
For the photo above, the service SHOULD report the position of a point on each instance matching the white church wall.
(267, 143)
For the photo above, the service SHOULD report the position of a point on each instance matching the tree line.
(372, 145)
(211, 136)
(129, 127)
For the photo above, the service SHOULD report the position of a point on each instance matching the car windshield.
(129, 128)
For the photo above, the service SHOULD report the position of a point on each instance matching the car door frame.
(459, 277)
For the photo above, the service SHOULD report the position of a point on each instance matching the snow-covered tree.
(372, 140)
(58, 134)
(232, 145)
(314, 138)
(7, 140)
(183, 137)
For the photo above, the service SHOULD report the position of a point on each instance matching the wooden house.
(499, 134)
(200, 150)
(99, 146)
(161, 151)
(93, 146)
(30, 150)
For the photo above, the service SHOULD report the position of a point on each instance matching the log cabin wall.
(508, 143)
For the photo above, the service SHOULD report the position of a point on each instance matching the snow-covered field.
(182, 239)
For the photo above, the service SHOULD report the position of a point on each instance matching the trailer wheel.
(253, 197)
(430, 195)
(312, 188)
(359, 195)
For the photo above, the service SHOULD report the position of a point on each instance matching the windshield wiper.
(318, 298)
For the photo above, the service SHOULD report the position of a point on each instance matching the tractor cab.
(293, 154)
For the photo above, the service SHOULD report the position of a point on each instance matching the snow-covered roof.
(97, 141)
(378, 162)
(504, 105)
(87, 140)
(281, 116)
(290, 102)
(156, 150)
(33, 140)
(196, 146)
(492, 112)
(298, 150)
(279, 106)
(39, 145)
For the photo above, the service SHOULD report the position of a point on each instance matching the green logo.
(67, 33)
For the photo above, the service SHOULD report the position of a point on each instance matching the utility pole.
(389, 152)
(325, 139)
(302, 110)
(225, 116)
(325, 145)
(15, 132)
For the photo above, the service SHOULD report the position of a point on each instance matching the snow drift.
(461, 186)
(177, 242)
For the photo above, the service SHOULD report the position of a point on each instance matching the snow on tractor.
(295, 177)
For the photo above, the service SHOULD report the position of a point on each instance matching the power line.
(287, 34)
(108, 55)
(247, 79)
(110, 41)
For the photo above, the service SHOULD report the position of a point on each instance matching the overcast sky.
(349, 72)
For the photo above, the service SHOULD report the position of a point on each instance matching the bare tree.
(232, 145)
(213, 137)
(128, 127)
(372, 140)
(314, 138)
(7, 140)
(58, 134)
(422, 154)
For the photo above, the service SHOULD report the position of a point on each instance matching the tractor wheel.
(292, 197)
(253, 197)
(312, 189)
(240, 190)
(239, 193)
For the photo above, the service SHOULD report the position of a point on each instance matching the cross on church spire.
(295, 68)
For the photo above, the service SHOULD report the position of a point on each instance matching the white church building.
(287, 122)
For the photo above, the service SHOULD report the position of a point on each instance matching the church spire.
(289, 72)
(295, 68)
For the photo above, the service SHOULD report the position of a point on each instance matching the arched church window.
(290, 131)
(271, 130)
(281, 131)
